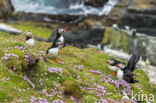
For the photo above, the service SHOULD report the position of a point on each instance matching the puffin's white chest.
(30, 42)
(113, 68)
(61, 39)
(120, 74)
(53, 52)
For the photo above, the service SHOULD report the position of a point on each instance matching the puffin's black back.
(27, 38)
(55, 45)
(115, 62)
(133, 61)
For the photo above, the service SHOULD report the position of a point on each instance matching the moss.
(116, 38)
(19, 43)
(20, 63)
(72, 87)
(36, 28)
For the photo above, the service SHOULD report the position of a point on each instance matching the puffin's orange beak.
(64, 30)
(107, 62)
(117, 65)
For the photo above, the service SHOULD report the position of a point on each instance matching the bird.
(112, 65)
(57, 44)
(127, 28)
(125, 72)
(133, 32)
(29, 40)
(115, 26)
(60, 37)
(52, 52)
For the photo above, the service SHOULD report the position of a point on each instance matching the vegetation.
(82, 75)
(38, 29)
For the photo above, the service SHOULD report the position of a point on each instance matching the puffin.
(134, 33)
(125, 72)
(52, 52)
(115, 26)
(60, 37)
(29, 40)
(112, 65)
(57, 44)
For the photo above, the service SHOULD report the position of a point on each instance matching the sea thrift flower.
(60, 62)
(57, 101)
(40, 82)
(5, 79)
(73, 99)
(26, 58)
(7, 56)
(95, 72)
(44, 91)
(55, 70)
(80, 67)
(28, 80)
(102, 101)
(42, 52)
(33, 100)
(105, 79)
(20, 100)
(42, 100)
(126, 86)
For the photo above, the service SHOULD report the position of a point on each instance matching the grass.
(71, 82)
(38, 29)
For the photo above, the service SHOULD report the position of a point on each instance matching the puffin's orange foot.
(55, 60)
(113, 73)
(61, 51)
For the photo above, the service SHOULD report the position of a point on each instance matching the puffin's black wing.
(56, 43)
(129, 77)
(133, 61)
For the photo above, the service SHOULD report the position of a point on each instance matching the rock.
(40, 39)
(9, 29)
(144, 23)
(33, 60)
(82, 38)
(62, 19)
(95, 3)
(121, 40)
(6, 9)
(151, 50)
(141, 15)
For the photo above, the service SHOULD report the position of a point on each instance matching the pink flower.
(72, 98)
(7, 56)
(55, 70)
(102, 101)
(57, 101)
(78, 67)
(95, 72)
(60, 62)
(28, 81)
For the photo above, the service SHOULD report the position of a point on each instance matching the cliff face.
(141, 14)
(6, 9)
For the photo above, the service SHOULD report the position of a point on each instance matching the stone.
(6, 9)
(81, 38)
(95, 3)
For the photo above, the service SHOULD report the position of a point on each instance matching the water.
(70, 7)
